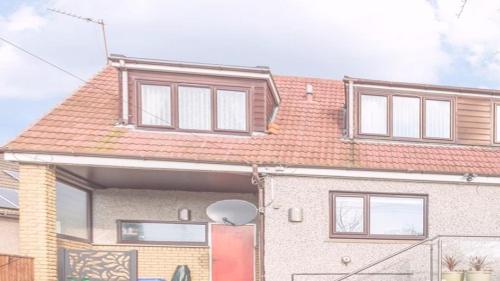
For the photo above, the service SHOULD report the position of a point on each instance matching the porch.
(142, 223)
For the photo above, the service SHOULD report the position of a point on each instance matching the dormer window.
(399, 116)
(193, 108)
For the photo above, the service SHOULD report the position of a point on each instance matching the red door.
(232, 253)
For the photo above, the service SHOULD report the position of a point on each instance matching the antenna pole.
(99, 22)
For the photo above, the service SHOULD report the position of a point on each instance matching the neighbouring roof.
(8, 172)
(305, 134)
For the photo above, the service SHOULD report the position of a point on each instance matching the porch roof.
(304, 134)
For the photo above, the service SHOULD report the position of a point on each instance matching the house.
(345, 173)
(9, 208)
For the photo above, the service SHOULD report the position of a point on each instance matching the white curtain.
(497, 124)
(373, 114)
(437, 119)
(231, 110)
(406, 117)
(195, 108)
(155, 105)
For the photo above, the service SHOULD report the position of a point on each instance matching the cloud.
(416, 41)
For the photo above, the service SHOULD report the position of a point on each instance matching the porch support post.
(37, 219)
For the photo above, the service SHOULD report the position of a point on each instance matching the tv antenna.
(96, 21)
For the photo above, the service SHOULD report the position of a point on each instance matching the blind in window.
(231, 110)
(155, 105)
(195, 108)
(405, 117)
(373, 114)
(437, 119)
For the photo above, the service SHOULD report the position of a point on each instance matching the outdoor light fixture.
(295, 215)
(184, 214)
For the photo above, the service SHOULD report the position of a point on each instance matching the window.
(231, 110)
(195, 108)
(405, 117)
(162, 232)
(378, 215)
(497, 123)
(72, 211)
(437, 119)
(373, 115)
(156, 105)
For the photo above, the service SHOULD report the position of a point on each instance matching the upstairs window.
(373, 115)
(156, 105)
(405, 117)
(410, 117)
(438, 119)
(193, 108)
(378, 215)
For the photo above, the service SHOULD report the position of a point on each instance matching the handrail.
(363, 268)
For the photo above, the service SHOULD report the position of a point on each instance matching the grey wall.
(111, 205)
(9, 236)
(306, 246)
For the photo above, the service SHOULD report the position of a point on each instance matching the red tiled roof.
(307, 134)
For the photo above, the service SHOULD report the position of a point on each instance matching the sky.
(414, 41)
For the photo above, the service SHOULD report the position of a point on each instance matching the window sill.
(338, 240)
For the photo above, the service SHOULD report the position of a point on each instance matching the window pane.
(155, 105)
(164, 232)
(231, 110)
(437, 119)
(406, 117)
(497, 117)
(396, 216)
(349, 214)
(373, 115)
(72, 211)
(195, 108)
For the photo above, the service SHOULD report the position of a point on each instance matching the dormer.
(200, 98)
(408, 112)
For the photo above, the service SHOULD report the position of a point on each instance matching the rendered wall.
(306, 247)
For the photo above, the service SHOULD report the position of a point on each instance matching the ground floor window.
(156, 232)
(73, 212)
(378, 215)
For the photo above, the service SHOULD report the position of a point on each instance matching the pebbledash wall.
(157, 261)
(305, 247)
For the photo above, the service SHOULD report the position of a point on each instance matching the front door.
(232, 252)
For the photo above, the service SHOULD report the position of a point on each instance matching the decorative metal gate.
(78, 265)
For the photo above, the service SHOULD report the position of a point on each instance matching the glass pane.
(231, 110)
(373, 115)
(406, 117)
(437, 119)
(195, 108)
(164, 232)
(155, 105)
(349, 214)
(497, 130)
(9, 198)
(396, 216)
(72, 211)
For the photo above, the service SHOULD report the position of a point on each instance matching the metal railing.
(406, 249)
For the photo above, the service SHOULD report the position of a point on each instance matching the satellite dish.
(232, 212)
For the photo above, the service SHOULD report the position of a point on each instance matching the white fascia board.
(441, 92)
(96, 161)
(206, 71)
(378, 175)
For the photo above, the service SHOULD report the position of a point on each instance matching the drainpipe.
(259, 181)
(350, 110)
(124, 76)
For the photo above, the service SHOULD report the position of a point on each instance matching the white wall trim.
(443, 92)
(199, 70)
(96, 161)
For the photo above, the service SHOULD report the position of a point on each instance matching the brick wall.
(37, 220)
(161, 261)
(71, 244)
